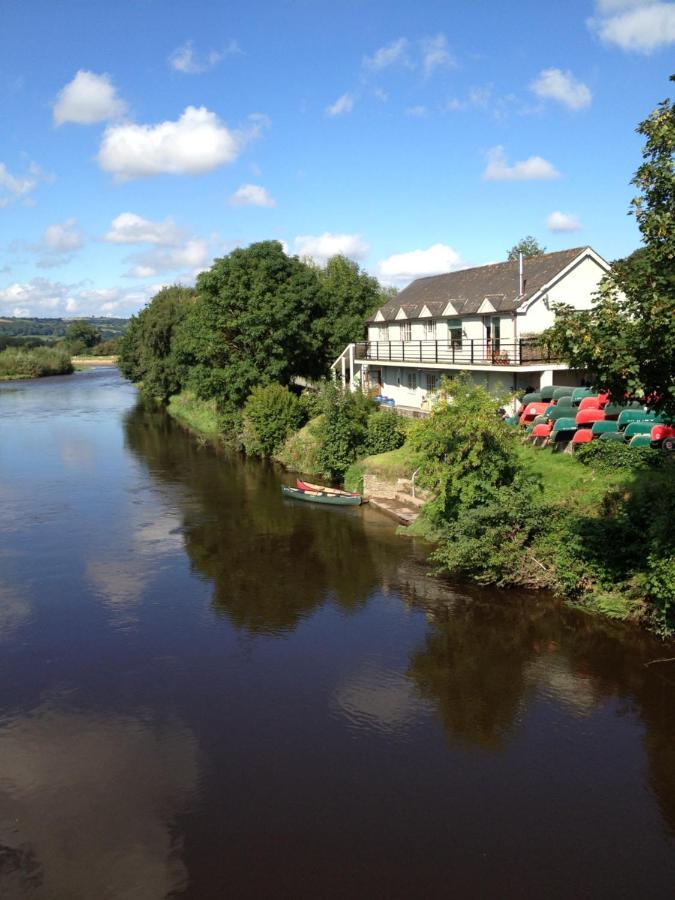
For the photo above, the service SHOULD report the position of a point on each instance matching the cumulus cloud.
(638, 26)
(417, 112)
(392, 54)
(88, 98)
(435, 54)
(322, 247)
(58, 244)
(531, 169)
(554, 84)
(251, 195)
(560, 221)
(19, 187)
(129, 228)
(193, 255)
(196, 143)
(343, 104)
(44, 297)
(186, 60)
(401, 268)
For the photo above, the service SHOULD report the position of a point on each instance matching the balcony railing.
(466, 353)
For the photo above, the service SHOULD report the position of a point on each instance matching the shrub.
(312, 402)
(271, 413)
(344, 429)
(300, 450)
(608, 456)
(34, 363)
(386, 431)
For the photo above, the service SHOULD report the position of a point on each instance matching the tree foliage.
(271, 413)
(81, 336)
(628, 339)
(343, 429)
(254, 324)
(528, 246)
(147, 352)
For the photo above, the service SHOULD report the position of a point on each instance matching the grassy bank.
(16, 364)
(200, 416)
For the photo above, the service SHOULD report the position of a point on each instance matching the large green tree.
(255, 323)
(349, 296)
(81, 336)
(147, 353)
(628, 339)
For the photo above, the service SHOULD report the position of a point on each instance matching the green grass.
(394, 464)
(298, 454)
(200, 416)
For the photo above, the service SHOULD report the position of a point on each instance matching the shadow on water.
(271, 561)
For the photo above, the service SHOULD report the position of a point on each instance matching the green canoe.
(320, 497)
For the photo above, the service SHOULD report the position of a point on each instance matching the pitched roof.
(468, 289)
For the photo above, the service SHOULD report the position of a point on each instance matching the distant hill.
(56, 328)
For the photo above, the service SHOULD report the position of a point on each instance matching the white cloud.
(435, 54)
(41, 296)
(62, 237)
(560, 221)
(639, 26)
(194, 144)
(185, 59)
(15, 187)
(531, 169)
(193, 255)
(392, 54)
(321, 247)
(343, 104)
(86, 99)
(417, 112)
(401, 268)
(554, 84)
(251, 195)
(129, 228)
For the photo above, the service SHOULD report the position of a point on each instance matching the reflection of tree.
(271, 561)
(472, 666)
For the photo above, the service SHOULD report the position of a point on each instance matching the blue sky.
(143, 138)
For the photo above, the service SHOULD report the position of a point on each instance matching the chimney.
(521, 280)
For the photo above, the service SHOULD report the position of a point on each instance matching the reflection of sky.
(553, 678)
(14, 610)
(378, 698)
(86, 804)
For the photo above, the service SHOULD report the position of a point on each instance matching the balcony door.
(493, 333)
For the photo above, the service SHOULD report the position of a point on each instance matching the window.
(455, 335)
(383, 333)
(412, 381)
(432, 383)
(429, 330)
(496, 333)
(406, 331)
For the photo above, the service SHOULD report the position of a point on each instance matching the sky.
(142, 139)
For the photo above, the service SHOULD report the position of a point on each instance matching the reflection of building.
(484, 321)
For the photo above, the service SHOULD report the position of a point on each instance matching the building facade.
(484, 321)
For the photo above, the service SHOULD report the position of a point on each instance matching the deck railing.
(466, 352)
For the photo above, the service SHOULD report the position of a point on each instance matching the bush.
(311, 402)
(344, 429)
(271, 413)
(385, 431)
(300, 451)
(608, 456)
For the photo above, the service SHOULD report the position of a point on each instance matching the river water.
(207, 691)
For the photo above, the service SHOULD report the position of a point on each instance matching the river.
(207, 691)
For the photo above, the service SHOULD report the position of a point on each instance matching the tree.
(528, 246)
(147, 352)
(254, 324)
(628, 339)
(349, 295)
(81, 335)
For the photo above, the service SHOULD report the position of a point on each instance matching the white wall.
(576, 289)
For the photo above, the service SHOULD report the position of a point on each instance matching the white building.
(484, 321)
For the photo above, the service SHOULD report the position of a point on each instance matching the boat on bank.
(321, 496)
(308, 486)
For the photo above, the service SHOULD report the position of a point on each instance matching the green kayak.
(320, 497)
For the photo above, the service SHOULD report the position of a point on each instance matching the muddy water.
(207, 691)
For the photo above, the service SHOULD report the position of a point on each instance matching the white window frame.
(455, 333)
(406, 331)
(411, 380)
(430, 329)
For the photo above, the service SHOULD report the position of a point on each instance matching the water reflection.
(270, 562)
(87, 803)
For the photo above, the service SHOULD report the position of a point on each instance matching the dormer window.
(406, 331)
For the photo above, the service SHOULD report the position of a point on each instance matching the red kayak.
(308, 486)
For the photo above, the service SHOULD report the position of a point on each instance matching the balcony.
(525, 352)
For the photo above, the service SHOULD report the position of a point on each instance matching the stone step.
(402, 497)
(403, 513)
